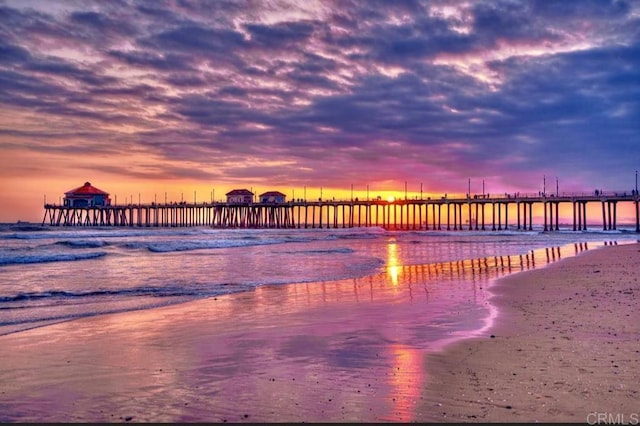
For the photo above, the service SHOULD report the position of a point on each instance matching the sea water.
(54, 274)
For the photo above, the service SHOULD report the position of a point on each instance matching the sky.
(186, 100)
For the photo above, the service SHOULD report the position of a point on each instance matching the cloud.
(312, 92)
(280, 35)
(13, 54)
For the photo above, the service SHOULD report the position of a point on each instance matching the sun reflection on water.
(393, 267)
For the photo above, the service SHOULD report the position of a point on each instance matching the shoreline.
(355, 350)
(563, 349)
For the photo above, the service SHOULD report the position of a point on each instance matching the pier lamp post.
(139, 198)
(194, 197)
(636, 183)
(305, 192)
(116, 199)
(320, 193)
(557, 188)
(469, 189)
(405, 189)
(351, 192)
(544, 185)
(482, 188)
(421, 190)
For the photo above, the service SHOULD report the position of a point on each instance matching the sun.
(391, 199)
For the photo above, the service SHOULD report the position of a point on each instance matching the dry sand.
(566, 345)
(566, 348)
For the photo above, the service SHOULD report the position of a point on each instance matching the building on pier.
(273, 197)
(239, 196)
(86, 196)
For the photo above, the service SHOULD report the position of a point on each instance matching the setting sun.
(391, 199)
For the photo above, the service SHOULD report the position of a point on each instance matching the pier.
(477, 212)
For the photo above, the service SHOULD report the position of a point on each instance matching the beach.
(561, 343)
(565, 348)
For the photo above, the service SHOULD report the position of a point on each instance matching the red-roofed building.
(272, 197)
(86, 196)
(242, 196)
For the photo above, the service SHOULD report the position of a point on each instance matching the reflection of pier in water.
(382, 325)
(425, 278)
(445, 214)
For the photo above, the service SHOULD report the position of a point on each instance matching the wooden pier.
(478, 212)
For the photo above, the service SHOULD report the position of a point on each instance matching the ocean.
(54, 274)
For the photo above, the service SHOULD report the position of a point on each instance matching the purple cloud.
(339, 92)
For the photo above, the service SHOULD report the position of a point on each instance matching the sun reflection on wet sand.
(406, 380)
(392, 261)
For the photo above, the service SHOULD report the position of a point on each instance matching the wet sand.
(566, 348)
(358, 350)
(349, 351)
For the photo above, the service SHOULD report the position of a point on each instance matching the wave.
(22, 227)
(82, 244)
(597, 230)
(467, 233)
(339, 250)
(97, 232)
(168, 291)
(185, 245)
(38, 309)
(9, 326)
(218, 243)
(48, 257)
(174, 246)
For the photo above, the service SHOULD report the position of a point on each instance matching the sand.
(565, 345)
(565, 348)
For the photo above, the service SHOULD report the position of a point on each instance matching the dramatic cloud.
(294, 93)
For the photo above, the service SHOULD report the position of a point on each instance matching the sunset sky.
(195, 98)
